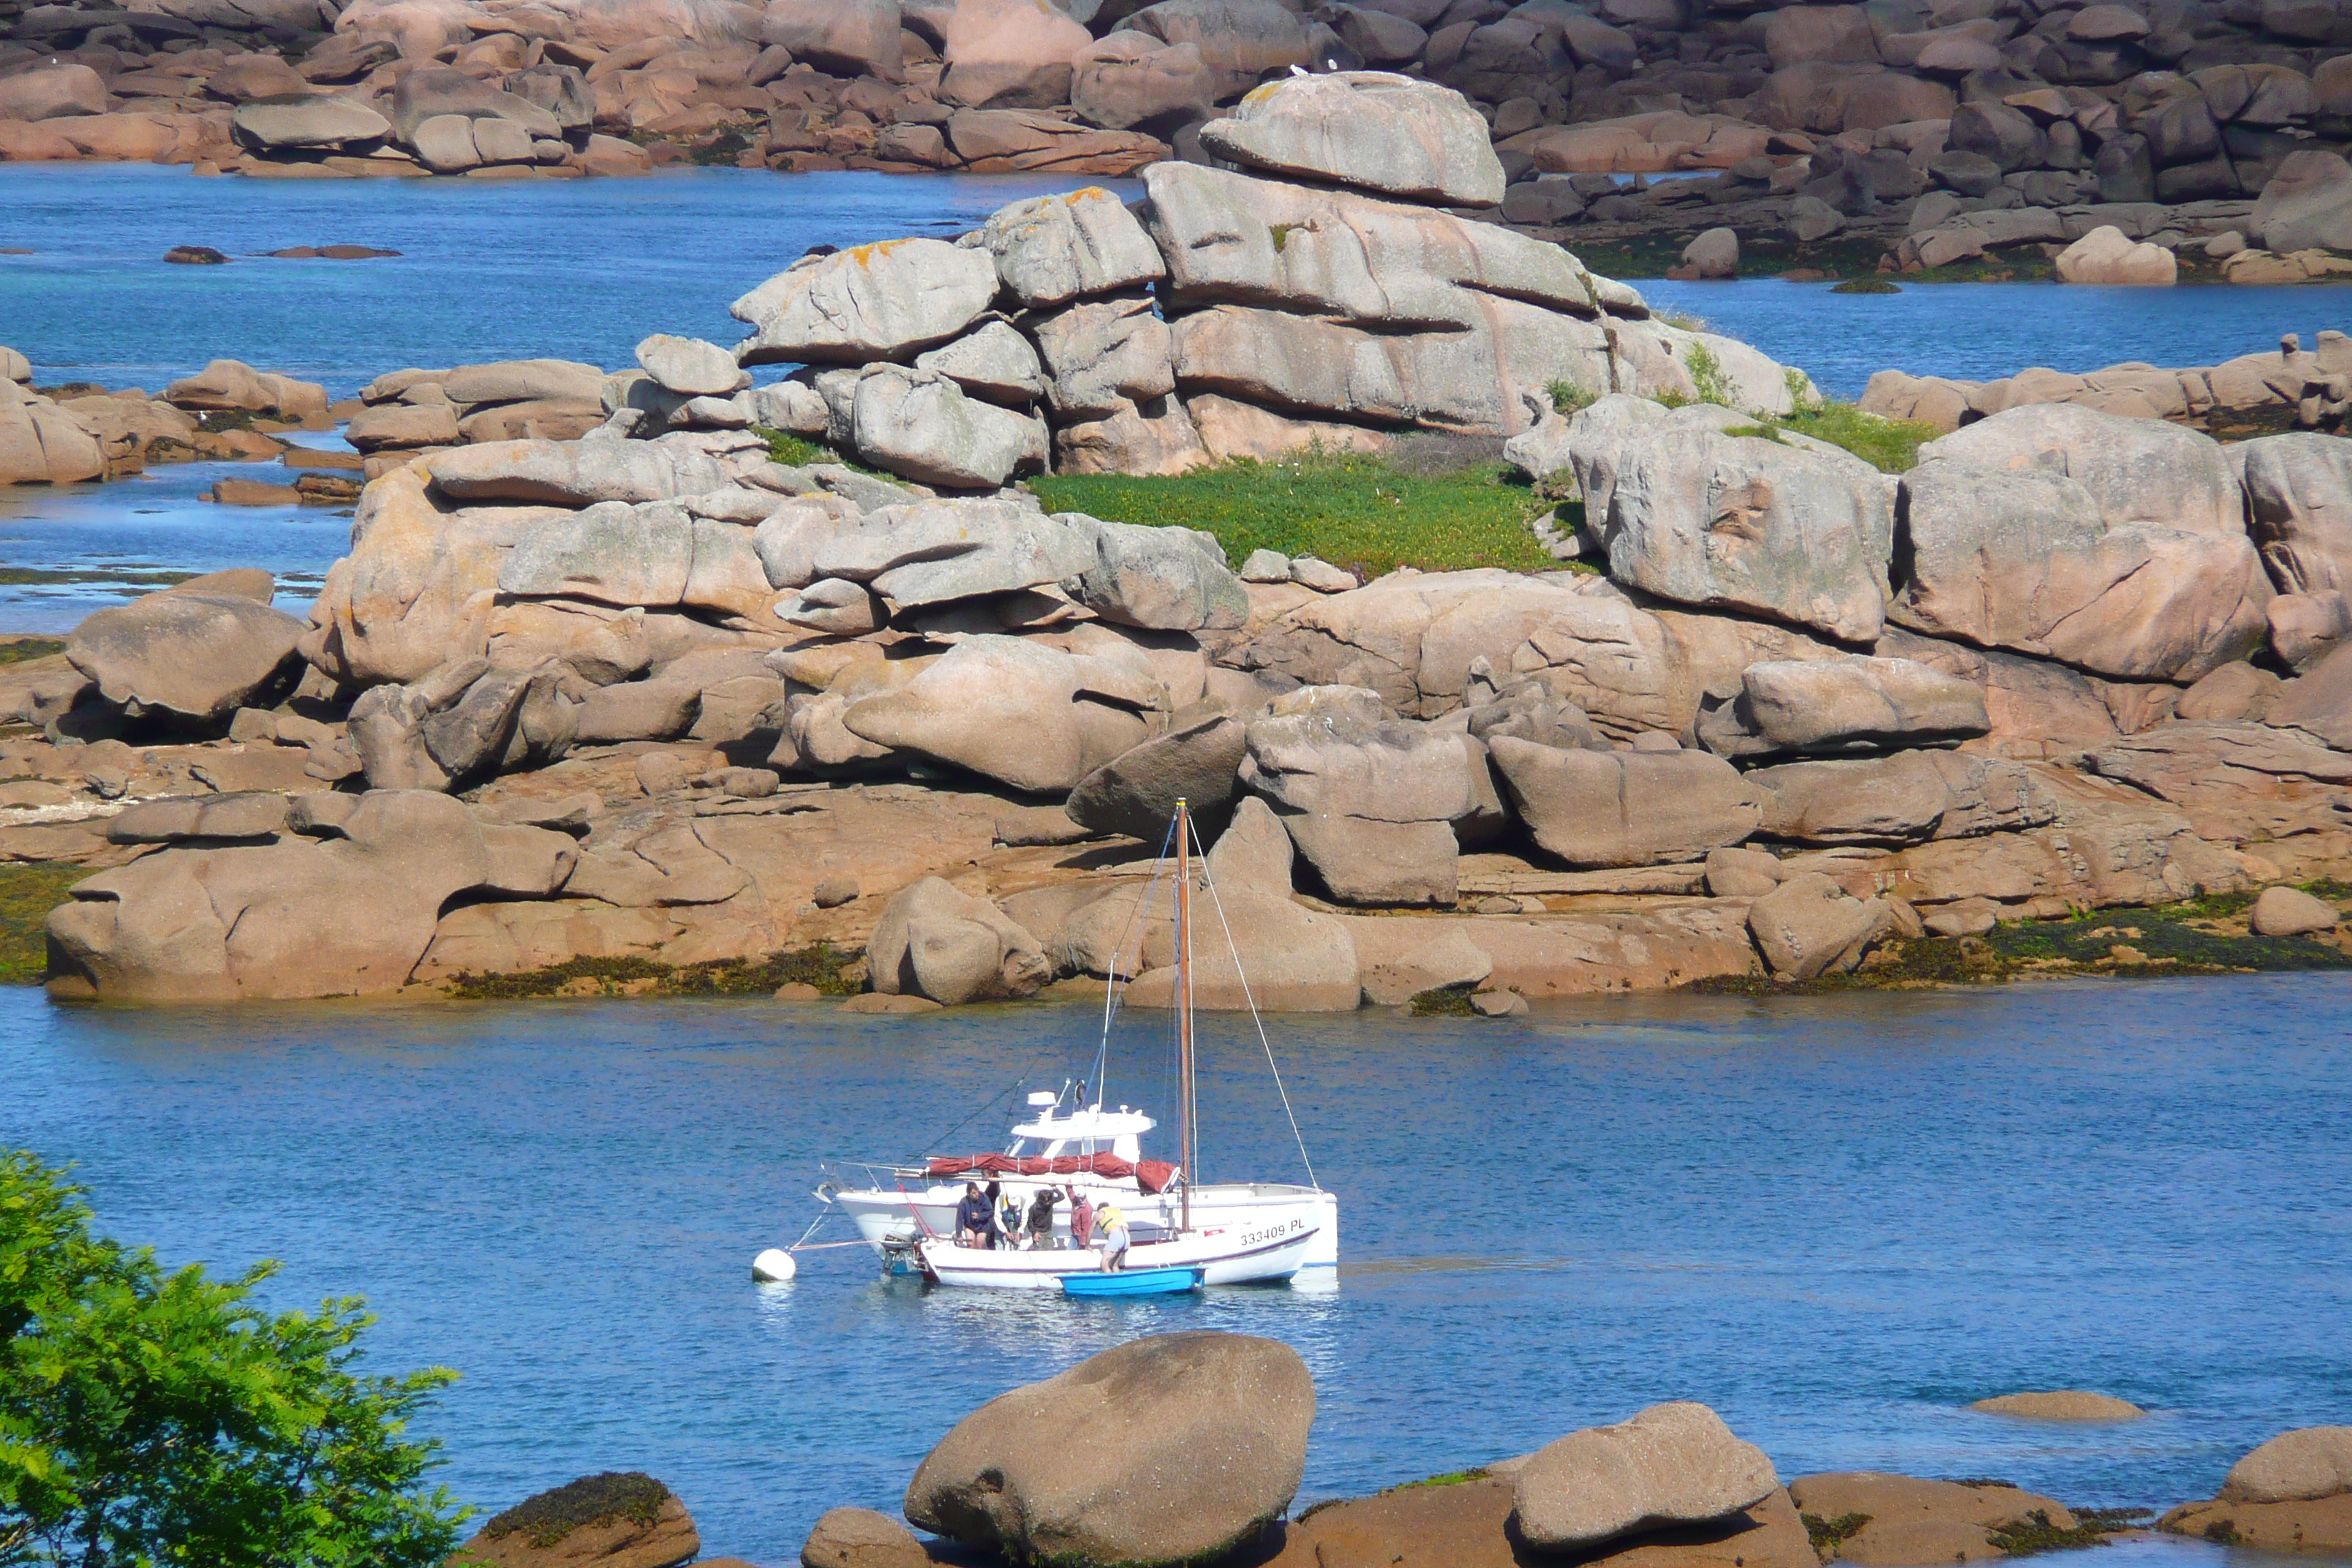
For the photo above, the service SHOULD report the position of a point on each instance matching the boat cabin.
(1086, 1129)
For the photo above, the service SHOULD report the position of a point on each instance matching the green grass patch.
(23, 650)
(27, 894)
(547, 1518)
(1353, 511)
(1828, 1535)
(1451, 1479)
(1890, 445)
(820, 966)
(1865, 285)
(791, 450)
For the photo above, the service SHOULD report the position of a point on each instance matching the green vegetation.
(2203, 938)
(27, 894)
(1354, 511)
(2223, 1532)
(1865, 285)
(1982, 1481)
(791, 450)
(1829, 1535)
(1281, 233)
(596, 1499)
(820, 966)
(221, 420)
(2034, 1532)
(1707, 375)
(1890, 445)
(23, 650)
(145, 579)
(151, 1417)
(1451, 1479)
(1567, 397)
(724, 150)
(1445, 1002)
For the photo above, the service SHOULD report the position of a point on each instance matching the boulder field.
(1933, 132)
(1189, 1448)
(637, 689)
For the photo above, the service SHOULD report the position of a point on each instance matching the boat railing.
(876, 1174)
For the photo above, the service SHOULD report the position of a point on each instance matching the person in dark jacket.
(1041, 1219)
(972, 1218)
(995, 1232)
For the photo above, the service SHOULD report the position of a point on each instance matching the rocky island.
(806, 683)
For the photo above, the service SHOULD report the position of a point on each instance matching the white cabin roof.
(1092, 1123)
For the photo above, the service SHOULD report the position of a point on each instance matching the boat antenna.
(1185, 1131)
(1258, 1022)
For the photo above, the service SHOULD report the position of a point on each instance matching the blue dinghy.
(1133, 1282)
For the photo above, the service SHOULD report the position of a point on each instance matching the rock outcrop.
(2061, 1404)
(617, 1520)
(1099, 1464)
(1904, 1521)
(1808, 711)
(1670, 1465)
(2292, 1493)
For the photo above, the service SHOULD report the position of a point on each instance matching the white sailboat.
(1231, 1233)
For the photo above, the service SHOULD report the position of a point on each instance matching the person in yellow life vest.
(1111, 1222)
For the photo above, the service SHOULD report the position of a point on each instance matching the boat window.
(1019, 1146)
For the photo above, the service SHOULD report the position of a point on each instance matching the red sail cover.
(1151, 1175)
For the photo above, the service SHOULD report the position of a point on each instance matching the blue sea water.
(1837, 1221)
(583, 268)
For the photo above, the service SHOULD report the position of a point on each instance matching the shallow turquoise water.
(1836, 1221)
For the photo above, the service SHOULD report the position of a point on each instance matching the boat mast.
(1184, 1133)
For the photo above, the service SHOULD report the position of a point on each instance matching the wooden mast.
(1184, 1130)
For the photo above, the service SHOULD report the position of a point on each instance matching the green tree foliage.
(153, 1418)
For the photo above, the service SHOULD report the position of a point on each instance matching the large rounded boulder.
(1672, 1463)
(1171, 1449)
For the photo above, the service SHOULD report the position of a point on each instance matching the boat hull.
(1226, 1256)
(887, 1219)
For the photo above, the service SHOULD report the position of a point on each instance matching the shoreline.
(1639, 254)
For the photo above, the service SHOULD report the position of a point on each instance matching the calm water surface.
(583, 268)
(1838, 1221)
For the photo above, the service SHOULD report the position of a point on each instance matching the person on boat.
(972, 1218)
(1114, 1237)
(1041, 1219)
(993, 1230)
(1082, 1220)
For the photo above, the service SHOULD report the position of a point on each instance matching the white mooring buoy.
(774, 1267)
